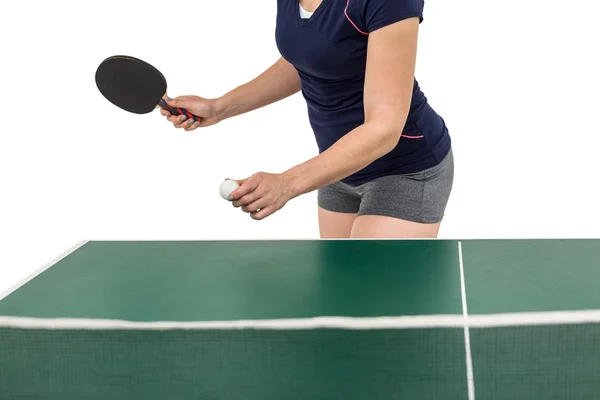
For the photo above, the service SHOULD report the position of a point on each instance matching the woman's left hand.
(262, 194)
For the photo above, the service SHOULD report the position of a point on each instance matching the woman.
(385, 166)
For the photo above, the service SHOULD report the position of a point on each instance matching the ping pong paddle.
(135, 86)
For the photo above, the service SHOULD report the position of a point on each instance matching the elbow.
(389, 131)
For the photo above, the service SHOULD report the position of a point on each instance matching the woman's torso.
(329, 51)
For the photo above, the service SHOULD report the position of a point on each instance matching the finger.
(179, 102)
(178, 120)
(262, 213)
(247, 186)
(185, 102)
(190, 125)
(247, 199)
(182, 122)
(165, 113)
(256, 205)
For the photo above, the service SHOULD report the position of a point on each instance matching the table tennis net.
(519, 356)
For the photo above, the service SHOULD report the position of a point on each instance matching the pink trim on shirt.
(413, 137)
(348, 18)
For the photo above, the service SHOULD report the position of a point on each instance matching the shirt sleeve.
(379, 13)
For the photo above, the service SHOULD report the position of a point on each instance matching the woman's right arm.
(279, 81)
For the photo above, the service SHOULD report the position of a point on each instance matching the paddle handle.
(177, 110)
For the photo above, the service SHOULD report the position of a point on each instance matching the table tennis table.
(307, 319)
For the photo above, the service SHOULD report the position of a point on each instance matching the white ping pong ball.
(227, 187)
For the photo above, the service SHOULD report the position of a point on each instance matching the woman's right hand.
(205, 109)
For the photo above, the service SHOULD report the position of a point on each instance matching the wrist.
(293, 184)
(220, 108)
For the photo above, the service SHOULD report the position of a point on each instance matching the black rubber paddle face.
(131, 84)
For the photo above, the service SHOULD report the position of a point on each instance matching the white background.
(516, 80)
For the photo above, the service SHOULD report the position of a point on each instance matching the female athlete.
(384, 167)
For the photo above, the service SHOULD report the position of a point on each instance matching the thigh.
(335, 225)
(406, 206)
(338, 207)
(379, 226)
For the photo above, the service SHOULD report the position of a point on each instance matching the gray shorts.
(418, 197)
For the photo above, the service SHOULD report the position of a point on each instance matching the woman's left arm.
(389, 78)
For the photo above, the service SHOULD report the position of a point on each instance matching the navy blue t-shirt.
(329, 51)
